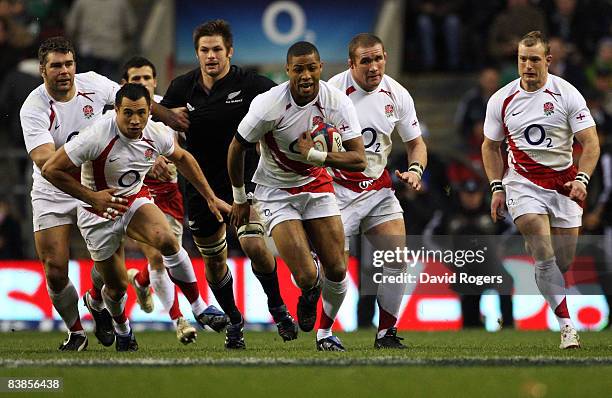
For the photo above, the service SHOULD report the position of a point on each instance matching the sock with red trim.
(552, 286)
(117, 311)
(332, 296)
(181, 273)
(389, 298)
(65, 303)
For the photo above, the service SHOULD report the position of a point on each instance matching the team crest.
(549, 108)
(88, 111)
(388, 110)
(148, 154)
(316, 120)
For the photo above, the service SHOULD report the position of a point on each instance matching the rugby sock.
(175, 311)
(269, 283)
(224, 293)
(332, 295)
(165, 290)
(552, 286)
(181, 273)
(65, 303)
(389, 299)
(142, 277)
(95, 292)
(117, 311)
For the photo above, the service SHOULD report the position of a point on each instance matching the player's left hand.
(304, 143)
(240, 214)
(178, 119)
(412, 179)
(577, 190)
(163, 169)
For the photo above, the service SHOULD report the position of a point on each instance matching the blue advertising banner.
(264, 30)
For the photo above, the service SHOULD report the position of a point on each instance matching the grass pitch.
(444, 364)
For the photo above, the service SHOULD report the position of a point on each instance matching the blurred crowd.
(462, 37)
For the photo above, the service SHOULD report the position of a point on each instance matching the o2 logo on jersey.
(88, 111)
(369, 139)
(129, 178)
(530, 134)
(549, 108)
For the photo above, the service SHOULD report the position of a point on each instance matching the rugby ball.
(326, 138)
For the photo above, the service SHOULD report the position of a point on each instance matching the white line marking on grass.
(329, 361)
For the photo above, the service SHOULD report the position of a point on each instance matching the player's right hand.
(498, 206)
(216, 206)
(109, 205)
(240, 214)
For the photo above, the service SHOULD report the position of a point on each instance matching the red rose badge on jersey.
(388, 110)
(148, 154)
(549, 108)
(317, 120)
(88, 111)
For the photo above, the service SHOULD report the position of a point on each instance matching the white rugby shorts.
(103, 236)
(276, 205)
(525, 197)
(52, 208)
(362, 211)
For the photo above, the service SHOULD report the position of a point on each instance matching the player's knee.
(305, 278)
(167, 244)
(256, 250)
(214, 251)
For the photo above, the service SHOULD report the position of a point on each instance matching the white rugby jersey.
(112, 160)
(539, 126)
(379, 112)
(44, 120)
(276, 121)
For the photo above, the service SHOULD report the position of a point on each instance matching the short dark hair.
(137, 62)
(302, 48)
(57, 44)
(363, 40)
(132, 91)
(533, 38)
(215, 27)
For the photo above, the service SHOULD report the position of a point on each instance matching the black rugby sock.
(224, 293)
(269, 282)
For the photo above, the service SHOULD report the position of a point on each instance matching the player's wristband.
(316, 157)
(496, 186)
(239, 194)
(583, 178)
(416, 168)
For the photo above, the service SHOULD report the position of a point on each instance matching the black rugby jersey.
(214, 117)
